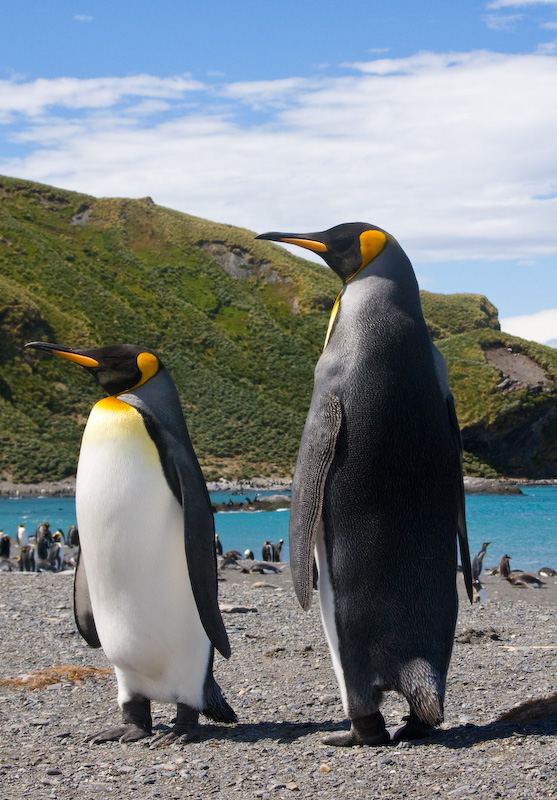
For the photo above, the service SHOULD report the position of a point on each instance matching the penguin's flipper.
(199, 534)
(461, 529)
(317, 451)
(83, 611)
(443, 379)
(167, 428)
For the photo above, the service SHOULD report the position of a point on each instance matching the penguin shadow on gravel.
(464, 736)
(535, 717)
(280, 732)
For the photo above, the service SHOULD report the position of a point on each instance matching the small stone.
(293, 787)
(324, 768)
(328, 698)
(40, 721)
(54, 771)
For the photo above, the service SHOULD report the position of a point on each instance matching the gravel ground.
(281, 684)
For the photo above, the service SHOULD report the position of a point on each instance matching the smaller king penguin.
(146, 581)
(377, 494)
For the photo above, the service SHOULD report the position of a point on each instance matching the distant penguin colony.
(377, 494)
(159, 635)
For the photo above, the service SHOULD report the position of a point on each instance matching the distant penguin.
(525, 579)
(377, 494)
(41, 529)
(5, 545)
(277, 550)
(263, 568)
(43, 546)
(140, 491)
(21, 537)
(505, 567)
(248, 555)
(27, 561)
(267, 552)
(56, 556)
(73, 536)
(478, 562)
(218, 545)
(230, 560)
(547, 572)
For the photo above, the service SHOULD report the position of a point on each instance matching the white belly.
(327, 601)
(131, 532)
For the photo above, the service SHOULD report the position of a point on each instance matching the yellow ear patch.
(371, 244)
(148, 366)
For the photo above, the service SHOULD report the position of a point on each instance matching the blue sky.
(436, 121)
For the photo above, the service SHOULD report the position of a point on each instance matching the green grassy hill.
(239, 323)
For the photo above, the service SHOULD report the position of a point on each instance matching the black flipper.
(462, 530)
(159, 404)
(443, 379)
(317, 451)
(83, 611)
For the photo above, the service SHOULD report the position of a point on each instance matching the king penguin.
(146, 582)
(377, 493)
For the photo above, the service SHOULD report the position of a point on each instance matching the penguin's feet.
(413, 729)
(136, 723)
(122, 733)
(185, 729)
(370, 731)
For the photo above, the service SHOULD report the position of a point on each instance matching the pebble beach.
(280, 682)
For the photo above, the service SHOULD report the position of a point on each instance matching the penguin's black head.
(345, 248)
(118, 369)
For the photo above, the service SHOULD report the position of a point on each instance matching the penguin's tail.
(215, 706)
(422, 686)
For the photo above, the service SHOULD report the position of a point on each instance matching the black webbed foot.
(136, 724)
(370, 731)
(122, 733)
(414, 728)
(185, 729)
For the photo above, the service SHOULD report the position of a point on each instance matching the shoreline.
(66, 486)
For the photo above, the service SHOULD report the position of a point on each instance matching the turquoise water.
(524, 526)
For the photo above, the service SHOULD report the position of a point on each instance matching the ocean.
(522, 526)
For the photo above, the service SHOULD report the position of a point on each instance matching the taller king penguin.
(146, 580)
(377, 495)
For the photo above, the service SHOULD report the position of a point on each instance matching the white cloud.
(502, 22)
(540, 327)
(547, 48)
(520, 3)
(549, 26)
(36, 97)
(454, 153)
(83, 18)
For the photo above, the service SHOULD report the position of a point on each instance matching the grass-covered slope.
(239, 323)
(505, 392)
